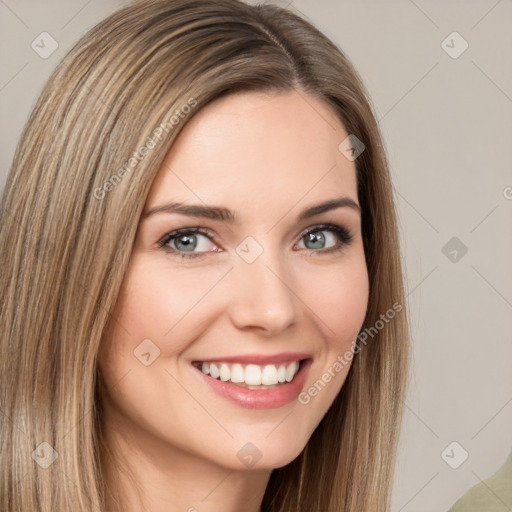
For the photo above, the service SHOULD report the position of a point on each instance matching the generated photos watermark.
(343, 360)
(140, 154)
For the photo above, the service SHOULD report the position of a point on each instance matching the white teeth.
(237, 373)
(291, 371)
(269, 375)
(251, 374)
(214, 371)
(225, 374)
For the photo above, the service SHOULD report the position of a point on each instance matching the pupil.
(317, 238)
(187, 242)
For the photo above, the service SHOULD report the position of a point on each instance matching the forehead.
(274, 150)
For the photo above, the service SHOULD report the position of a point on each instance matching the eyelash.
(341, 232)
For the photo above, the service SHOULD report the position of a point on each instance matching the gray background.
(447, 127)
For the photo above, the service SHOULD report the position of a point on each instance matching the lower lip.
(270, 398)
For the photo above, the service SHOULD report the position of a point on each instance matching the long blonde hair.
(67, 228)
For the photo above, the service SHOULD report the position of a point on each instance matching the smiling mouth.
(251, 376)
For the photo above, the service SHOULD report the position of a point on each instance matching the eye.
(316, 240)
(183, 242)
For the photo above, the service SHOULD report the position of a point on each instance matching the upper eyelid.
(323, 226)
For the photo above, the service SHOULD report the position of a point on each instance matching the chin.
(268, 453)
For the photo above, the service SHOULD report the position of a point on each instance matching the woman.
(197, 228)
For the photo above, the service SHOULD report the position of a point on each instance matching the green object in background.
(491, 495)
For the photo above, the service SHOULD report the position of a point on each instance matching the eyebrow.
(226, 215)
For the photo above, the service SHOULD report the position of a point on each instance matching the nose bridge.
(262, 295)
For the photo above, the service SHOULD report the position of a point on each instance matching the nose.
(262, 296)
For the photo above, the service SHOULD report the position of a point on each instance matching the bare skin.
(266, 157)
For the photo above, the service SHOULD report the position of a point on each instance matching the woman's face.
(264, 292)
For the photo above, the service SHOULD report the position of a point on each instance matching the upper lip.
(260, 359)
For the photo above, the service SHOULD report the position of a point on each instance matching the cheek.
(161, 306)
(339, 299)
(157, 315)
